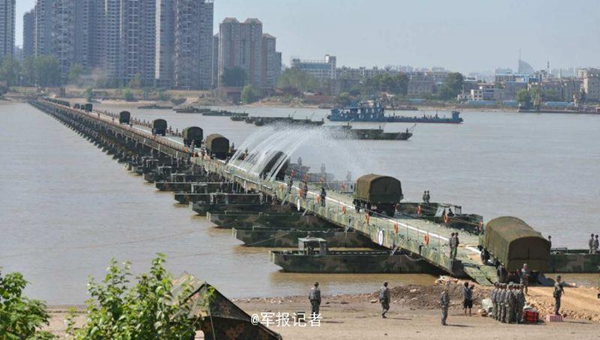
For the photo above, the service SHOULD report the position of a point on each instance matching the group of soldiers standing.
(508, 301)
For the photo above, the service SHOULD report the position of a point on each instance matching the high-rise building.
(241, 45)
(271, 59)
(215, 61)
(73, 35)
(165, 43)
(44, 18)
(137, 41)
(29, 34)
(193, 44)
(7, 28)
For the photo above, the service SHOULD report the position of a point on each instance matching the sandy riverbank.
(414, 314)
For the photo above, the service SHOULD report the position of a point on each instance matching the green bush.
(20, 317)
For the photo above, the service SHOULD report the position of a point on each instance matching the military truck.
(508, 243)
(217, 146)
(192, 134)
(124, 117)
(159, 127)
(378, 193)
(88, 107)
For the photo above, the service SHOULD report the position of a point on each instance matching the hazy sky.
(462, 35)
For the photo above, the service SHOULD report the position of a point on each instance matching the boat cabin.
(312, 246)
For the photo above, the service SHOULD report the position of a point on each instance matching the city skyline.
(483, 37)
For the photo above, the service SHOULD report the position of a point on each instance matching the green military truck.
(192, 134)
(159, 127)
(124, 117)
(508, 243)
(378, 193)
(217, 146)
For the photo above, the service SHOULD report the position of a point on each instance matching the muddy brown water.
(66, 208)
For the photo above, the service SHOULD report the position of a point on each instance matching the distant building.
(73, 33)
(591, 84)
(137, 41)
(29, 34)
(193, 44)
(240, 45)
(44, 19)
(7, 28)
(271, 67)
(165, 43)
(421, 84)
(320, 69)
(215, 61)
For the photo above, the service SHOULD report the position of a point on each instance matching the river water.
(66, 208)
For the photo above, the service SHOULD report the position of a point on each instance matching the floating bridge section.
(419, 237)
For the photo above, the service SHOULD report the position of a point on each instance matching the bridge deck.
(404, 233)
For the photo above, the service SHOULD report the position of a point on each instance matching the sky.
(460, 35)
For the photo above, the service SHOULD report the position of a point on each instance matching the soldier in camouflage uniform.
(511, 304)
(315, 300)
(384, 299)
(493, 295)
(502, 303)
(520, 304)
(444, 304)
(591, 244)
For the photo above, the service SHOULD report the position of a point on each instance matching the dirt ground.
(414, 314)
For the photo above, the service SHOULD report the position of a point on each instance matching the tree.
(452, 86)
(343, 99)
(297, 79)
(128, 95)
(47, 71)
(10, 71)
(524, 98)
(89, 94)
(178, 101)
(149, 309)
(234, 77)
(250, 94)
(74, 75)
(20, 317)
(136, 81)
(28, 71)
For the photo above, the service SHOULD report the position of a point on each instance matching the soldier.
(468, 298)
(524, 276)
(512, 302)
(558, 293)
(424, 196)
(493, 295)
(596, 244)
(445, 303)
(456, 243)
(550, 241)
(384, 299)
(502, 303)
(323, 196)
(451, 244)
(290, 184)
(591, 244)
(315, 300)
(520, 304)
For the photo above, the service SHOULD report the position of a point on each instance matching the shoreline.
(414, 311)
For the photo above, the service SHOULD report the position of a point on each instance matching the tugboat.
(346, 131)
(190, 109)
(364, 113)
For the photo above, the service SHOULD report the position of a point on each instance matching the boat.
(347, 131)
(190, 109)
(223, 113)
(238, 117)
(314, 256)
(154, 107)
(376, 114)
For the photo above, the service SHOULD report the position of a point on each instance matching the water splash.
(271, 147)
